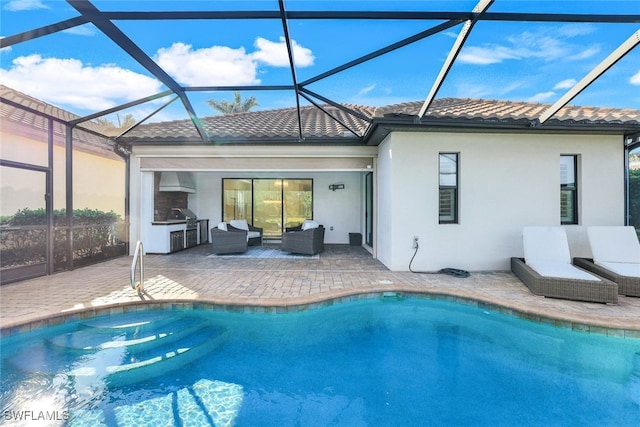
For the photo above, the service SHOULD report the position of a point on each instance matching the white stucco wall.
(506, 181)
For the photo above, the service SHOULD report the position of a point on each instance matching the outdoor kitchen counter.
(171, 235)
(170, 222)
(166, 237)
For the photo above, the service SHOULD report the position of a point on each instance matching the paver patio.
(340, 271)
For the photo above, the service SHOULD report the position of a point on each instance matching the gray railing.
(138, 255)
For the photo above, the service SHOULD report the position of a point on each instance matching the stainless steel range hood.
(177, 181)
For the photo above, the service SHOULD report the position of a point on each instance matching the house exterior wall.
(506, 181)
(91, 170)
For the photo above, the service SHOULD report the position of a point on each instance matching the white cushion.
(614, 244)
(629, 269)
(239, 223)
(309, 224)
(252, 234)
(560, 270)
(545, 244)
(222, 226)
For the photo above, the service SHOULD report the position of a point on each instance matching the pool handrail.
(138, 254)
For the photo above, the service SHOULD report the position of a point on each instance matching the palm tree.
(110, 128)
(237, 106)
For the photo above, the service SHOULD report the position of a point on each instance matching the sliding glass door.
(272, 204)
(267, 208)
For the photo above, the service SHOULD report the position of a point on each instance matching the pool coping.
(310, 303)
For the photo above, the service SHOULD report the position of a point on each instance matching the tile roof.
(261, 125)
(487, 110)
(282, 124)
(86, 141)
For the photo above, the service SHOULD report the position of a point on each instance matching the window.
(568, 189)
(448, 188)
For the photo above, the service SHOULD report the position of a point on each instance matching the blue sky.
(82, 71)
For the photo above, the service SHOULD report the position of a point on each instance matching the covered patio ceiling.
(131, 27)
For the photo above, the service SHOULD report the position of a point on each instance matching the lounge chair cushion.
(560, 270)
(222, 226)
(629, 269)
(240, 224)
(618, 244)
(546, 251)
(543, 244)
(253, 234)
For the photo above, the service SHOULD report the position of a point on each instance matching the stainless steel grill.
(183, 214)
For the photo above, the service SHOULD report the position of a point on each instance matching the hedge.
(96, 235)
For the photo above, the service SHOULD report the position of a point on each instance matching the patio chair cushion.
(560, 270)
(545, 244)
(309, 224)
(617, 244)
(253, 234)
(239, 223)
(222, 226)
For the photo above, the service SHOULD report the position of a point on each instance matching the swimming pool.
(375, 362)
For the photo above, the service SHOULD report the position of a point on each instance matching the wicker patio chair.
(309, 242)
(254, 233)
(547, 270)
(228, 242)
(616, 256)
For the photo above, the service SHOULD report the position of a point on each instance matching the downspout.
(627, 205)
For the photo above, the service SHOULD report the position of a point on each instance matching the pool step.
(158, 361)
(128, 322)
(91, 358)
(89, 340)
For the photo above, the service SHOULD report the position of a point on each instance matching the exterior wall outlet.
(415, 242)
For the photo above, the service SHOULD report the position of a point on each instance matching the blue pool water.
(361, 363)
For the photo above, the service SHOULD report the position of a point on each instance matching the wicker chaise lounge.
(547, 270)
(309, 241)
(616, 256)
(228, 242)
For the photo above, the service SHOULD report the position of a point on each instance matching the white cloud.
(575, 30)
(587, 53)
(275, 53)
(565, 84)
(635, 79)
(81, 30)
(211, 66)
(541, 97)
(367, 89)
(222, 65)
(87, 87)
(543, 43)
(485, 55)
(19, 5)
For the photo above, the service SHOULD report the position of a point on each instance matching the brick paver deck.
(340, 271)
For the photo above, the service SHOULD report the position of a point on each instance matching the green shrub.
(95, 235)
